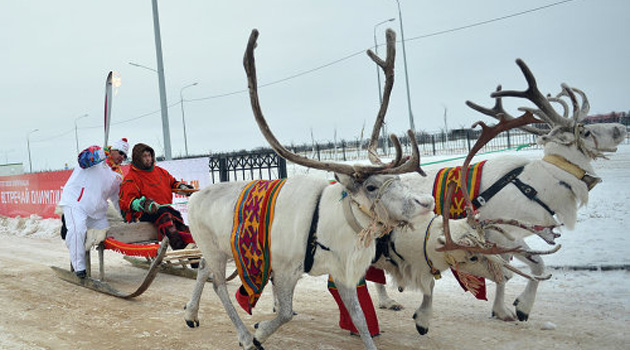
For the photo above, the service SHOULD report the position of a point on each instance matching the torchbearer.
(84, 196)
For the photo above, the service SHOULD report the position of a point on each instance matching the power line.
(457, 29)
(497, 19)
(345, 58)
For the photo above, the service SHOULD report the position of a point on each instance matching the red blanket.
(253, 216)
(473, 284)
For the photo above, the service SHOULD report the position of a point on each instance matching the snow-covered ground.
(573, 310)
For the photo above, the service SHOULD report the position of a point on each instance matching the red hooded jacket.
(154, 183)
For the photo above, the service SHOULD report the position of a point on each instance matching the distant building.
(10, 169)
(612, 117)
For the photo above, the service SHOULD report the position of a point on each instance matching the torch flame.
(116, 82)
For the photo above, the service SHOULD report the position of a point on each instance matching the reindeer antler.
(358, 171)
(579, 112)
(387, 66)
(547, 112)
(487, 134)
(449, 244)
(497, 112)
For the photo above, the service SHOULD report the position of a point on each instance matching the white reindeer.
(415, 258)
(302, 204)
(547, 192)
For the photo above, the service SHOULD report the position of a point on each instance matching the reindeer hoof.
(522, 316)
(256, 325)
(192, 324)
(258, 345)
(422, 330)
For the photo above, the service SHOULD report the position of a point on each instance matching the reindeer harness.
(377, 228)
(511, 177)
(435, 272)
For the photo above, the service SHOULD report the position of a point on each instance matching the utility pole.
(160, 64)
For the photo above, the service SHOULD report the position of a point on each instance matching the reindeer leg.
(525, 302)
(283, 289)
(191, 313)
(499, 310)
(423, 314)
(351, 302)
(384, 301)
(216, 264)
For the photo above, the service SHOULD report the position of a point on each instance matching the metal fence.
(266, 164)
(262, 164)
(428, 145)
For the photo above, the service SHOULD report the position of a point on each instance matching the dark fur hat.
(136, 156)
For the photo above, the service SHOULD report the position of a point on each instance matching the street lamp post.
(378, 78)
(402, 37)
(181, 101)
(76, 134)
(160, 68)
(28, 147)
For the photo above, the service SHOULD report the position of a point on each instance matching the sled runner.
(176, 263)
(136, 242)
(142, 235)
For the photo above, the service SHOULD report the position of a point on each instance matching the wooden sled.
(176, 263)
(126, 233)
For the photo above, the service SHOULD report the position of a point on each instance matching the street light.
(76, 134)
(162, 82)
(28, 147)
(162, 109)
(142, 66)
(181, 101)
(402, 37)
(378, 77)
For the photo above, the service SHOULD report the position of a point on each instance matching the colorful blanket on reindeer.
(473, 284)
(253, 215)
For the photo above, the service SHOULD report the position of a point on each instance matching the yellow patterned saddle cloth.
(253, 215)
(473, 284)
(453, 174)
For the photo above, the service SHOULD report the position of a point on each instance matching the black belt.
(311, 243)
(511, 177)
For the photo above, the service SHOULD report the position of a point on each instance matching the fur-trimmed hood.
(136, 156)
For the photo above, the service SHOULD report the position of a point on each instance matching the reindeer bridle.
(380, 223)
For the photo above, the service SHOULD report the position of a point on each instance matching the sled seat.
(140, 240)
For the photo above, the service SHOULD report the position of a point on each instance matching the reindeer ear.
(466, 242)
(441, 242)
(349, 182)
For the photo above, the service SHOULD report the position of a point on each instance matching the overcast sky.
(56, 55)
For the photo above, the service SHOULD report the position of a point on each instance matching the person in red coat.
(146, 193)
(365, 301)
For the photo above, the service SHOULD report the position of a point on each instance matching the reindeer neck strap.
(573, 169)
(375, 229)
(435, 272)
(349, 215)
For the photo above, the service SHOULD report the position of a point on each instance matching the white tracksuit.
(84, 204)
